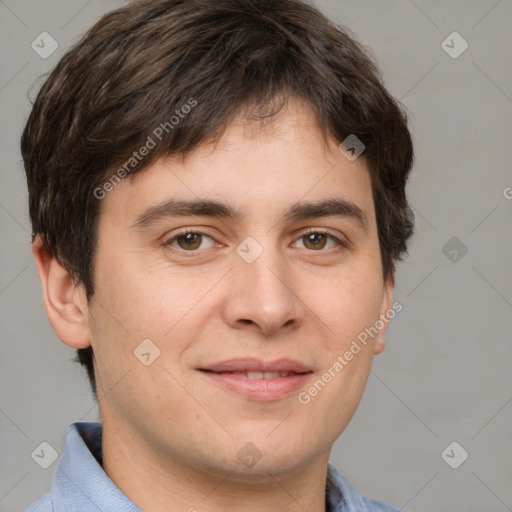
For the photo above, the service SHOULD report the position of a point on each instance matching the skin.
(170, 436)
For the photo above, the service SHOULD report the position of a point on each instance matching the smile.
(251, 375)
(258, 386)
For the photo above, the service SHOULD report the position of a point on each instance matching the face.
(245, 307)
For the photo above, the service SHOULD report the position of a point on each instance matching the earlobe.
(65, 301)
(380, 341)
(380, 345)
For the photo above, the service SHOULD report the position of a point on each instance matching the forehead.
(254, 167)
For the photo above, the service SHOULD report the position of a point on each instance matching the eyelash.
(187, 231)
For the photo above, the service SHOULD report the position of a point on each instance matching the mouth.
(257, 380)
(251, 375)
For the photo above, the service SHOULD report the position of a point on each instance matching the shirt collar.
(340, 496)
(81, 484)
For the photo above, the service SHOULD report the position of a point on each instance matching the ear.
(65, 302)
(387, 300)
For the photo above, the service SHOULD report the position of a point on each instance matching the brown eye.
(189, 241)
(315, 240)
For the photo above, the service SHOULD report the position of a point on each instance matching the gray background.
(445, 374)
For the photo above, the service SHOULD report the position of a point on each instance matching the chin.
(264, 455)
(267, 466)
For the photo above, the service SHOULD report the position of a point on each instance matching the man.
(217, 194)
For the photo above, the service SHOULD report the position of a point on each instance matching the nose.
(261, 295)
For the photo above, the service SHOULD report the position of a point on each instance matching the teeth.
(265, 375)
(261, 375)
(255, 375)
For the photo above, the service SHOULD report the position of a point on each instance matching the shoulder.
(342, 497)
(380, 506)
(43, 504)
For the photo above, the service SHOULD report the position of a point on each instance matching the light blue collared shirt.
(80, 484)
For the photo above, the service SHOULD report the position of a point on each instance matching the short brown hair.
(141, 63)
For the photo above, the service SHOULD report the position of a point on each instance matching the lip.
(258, 389)
(258, 365)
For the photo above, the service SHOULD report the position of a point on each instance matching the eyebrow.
(217, 209)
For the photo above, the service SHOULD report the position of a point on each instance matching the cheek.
(350, 309)
(349, 304)
(141, 301)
